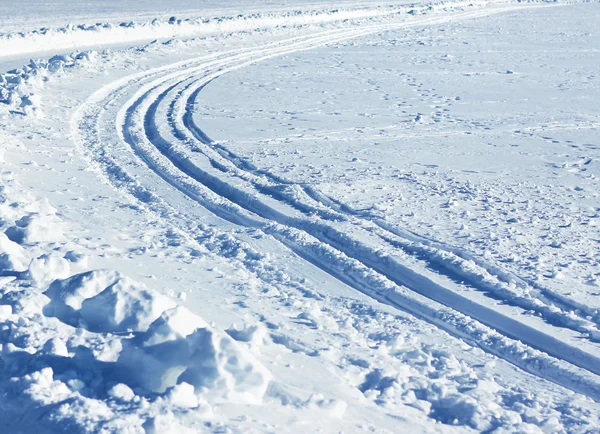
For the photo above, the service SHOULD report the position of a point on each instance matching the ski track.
(155, 129)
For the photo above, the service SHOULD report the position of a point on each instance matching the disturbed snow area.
(377, 218)
(480, 135)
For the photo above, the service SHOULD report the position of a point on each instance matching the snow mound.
(48, 267)
(179, 347)
(36, 228)
(135, 363)
(255, 335)
(171, 345)
(12, 256)
(104, 301)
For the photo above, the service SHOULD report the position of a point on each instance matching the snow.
(5, 312)
(12, 256)
(180, 347)
(121, 392)
(118, 338)
(72, 37)
(104, 301)
(360, 217)
(34, 228)
(46, 268)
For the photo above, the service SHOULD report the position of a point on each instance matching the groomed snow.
(365, 217)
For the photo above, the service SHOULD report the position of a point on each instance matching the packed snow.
(299, 217)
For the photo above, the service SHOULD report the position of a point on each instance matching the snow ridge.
(72, 37)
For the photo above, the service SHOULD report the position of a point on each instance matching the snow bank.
(18, 87)
(72, 37)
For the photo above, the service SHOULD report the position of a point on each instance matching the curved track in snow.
(142, 133)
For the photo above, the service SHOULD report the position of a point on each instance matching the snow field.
(19, 86)
(347, 321)
(505, 214)
(146, 135)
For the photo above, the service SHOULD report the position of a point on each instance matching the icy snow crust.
(199, 289)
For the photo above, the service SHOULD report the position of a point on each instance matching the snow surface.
(300, 217)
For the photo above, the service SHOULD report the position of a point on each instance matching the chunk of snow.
(180, 347)
(12, 255)
(35, 228)
(48, 267)
(121, 392)
(42, 388)
(55, 347)
(183, 396)
(105, 301)
(5, 312)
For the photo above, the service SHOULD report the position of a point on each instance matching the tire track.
(426, 253)
(364, 269)
(456, 263)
